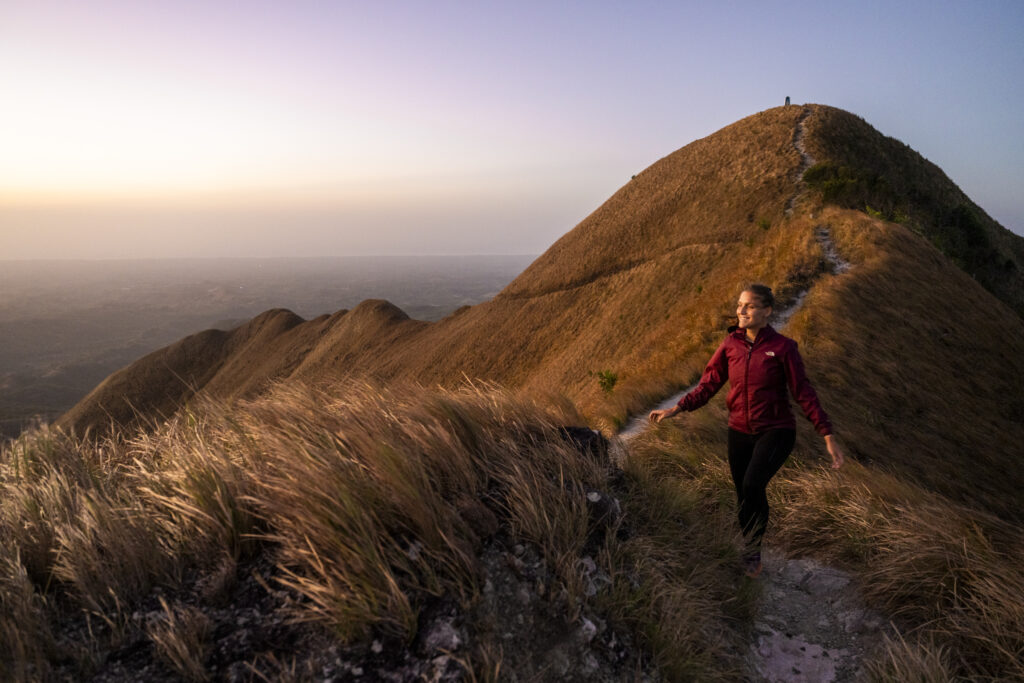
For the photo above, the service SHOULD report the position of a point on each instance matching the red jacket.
(758, 374)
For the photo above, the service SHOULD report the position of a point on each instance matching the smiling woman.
(753, 309)
(759, 364)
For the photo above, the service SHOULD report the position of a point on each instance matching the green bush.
(607, 379)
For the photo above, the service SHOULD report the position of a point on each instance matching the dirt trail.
(835, 264)
(810, 623)
(806, 160)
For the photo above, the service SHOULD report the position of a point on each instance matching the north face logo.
(770, 353)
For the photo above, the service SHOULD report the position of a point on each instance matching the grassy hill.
(916, 351)
(671, 234)
(639, 294)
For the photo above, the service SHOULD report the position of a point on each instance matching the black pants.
(754, 459)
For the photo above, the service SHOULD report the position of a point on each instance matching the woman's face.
(750, 313)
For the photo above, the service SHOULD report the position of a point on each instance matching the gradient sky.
(136, 129)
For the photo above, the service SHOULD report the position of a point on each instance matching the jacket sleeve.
(804, 393)
(715, 374)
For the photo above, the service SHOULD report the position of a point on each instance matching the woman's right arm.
(715, 374)
(659, 415)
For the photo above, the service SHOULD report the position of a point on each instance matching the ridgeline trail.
(806, 160)
(810, 623)
(835, 264)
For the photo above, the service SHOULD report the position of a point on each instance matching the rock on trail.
(810, 624)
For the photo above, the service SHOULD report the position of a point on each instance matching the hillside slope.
(664, 234)
(914, 359)
(862, 169)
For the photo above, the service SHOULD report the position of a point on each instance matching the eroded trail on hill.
(834, 264)
(806, 160)
(810, 623)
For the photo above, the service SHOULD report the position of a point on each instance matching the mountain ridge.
(640, 291)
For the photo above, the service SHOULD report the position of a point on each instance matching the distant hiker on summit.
(759, 364)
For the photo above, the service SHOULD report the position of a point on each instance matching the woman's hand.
(659, 415)
(836, 451)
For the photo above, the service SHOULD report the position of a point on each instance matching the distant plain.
(66, 325)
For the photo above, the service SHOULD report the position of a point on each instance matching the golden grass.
(903, 661)
(917, 365)
(25, 633)
(180, 638)
(372, 502)
(691, 605)
(951, 576)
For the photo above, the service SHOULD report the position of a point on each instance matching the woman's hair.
(762, 292)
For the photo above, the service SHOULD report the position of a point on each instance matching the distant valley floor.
(65, 326)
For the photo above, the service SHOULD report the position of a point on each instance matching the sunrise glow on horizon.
(299, 128)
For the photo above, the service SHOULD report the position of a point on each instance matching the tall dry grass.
(689, 599)
(949, 576)
(181, 639)
(918, 365)
(371, 503)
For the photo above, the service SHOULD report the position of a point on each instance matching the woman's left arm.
(805, 395)
(803, 392)
(835, 450)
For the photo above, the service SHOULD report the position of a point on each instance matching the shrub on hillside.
(607, 379)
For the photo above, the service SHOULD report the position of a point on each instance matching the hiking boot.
(752, 565)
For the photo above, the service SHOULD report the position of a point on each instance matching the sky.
(313, 128)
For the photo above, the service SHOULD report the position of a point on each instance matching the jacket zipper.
(746, 386)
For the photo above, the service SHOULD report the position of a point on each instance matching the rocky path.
(806, 160)
(834, 263)
(810, 625)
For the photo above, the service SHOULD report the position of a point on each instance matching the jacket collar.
(765, 333)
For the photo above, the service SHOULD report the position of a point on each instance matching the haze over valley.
(66, 325)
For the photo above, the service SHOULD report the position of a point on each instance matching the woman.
(759, 364)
